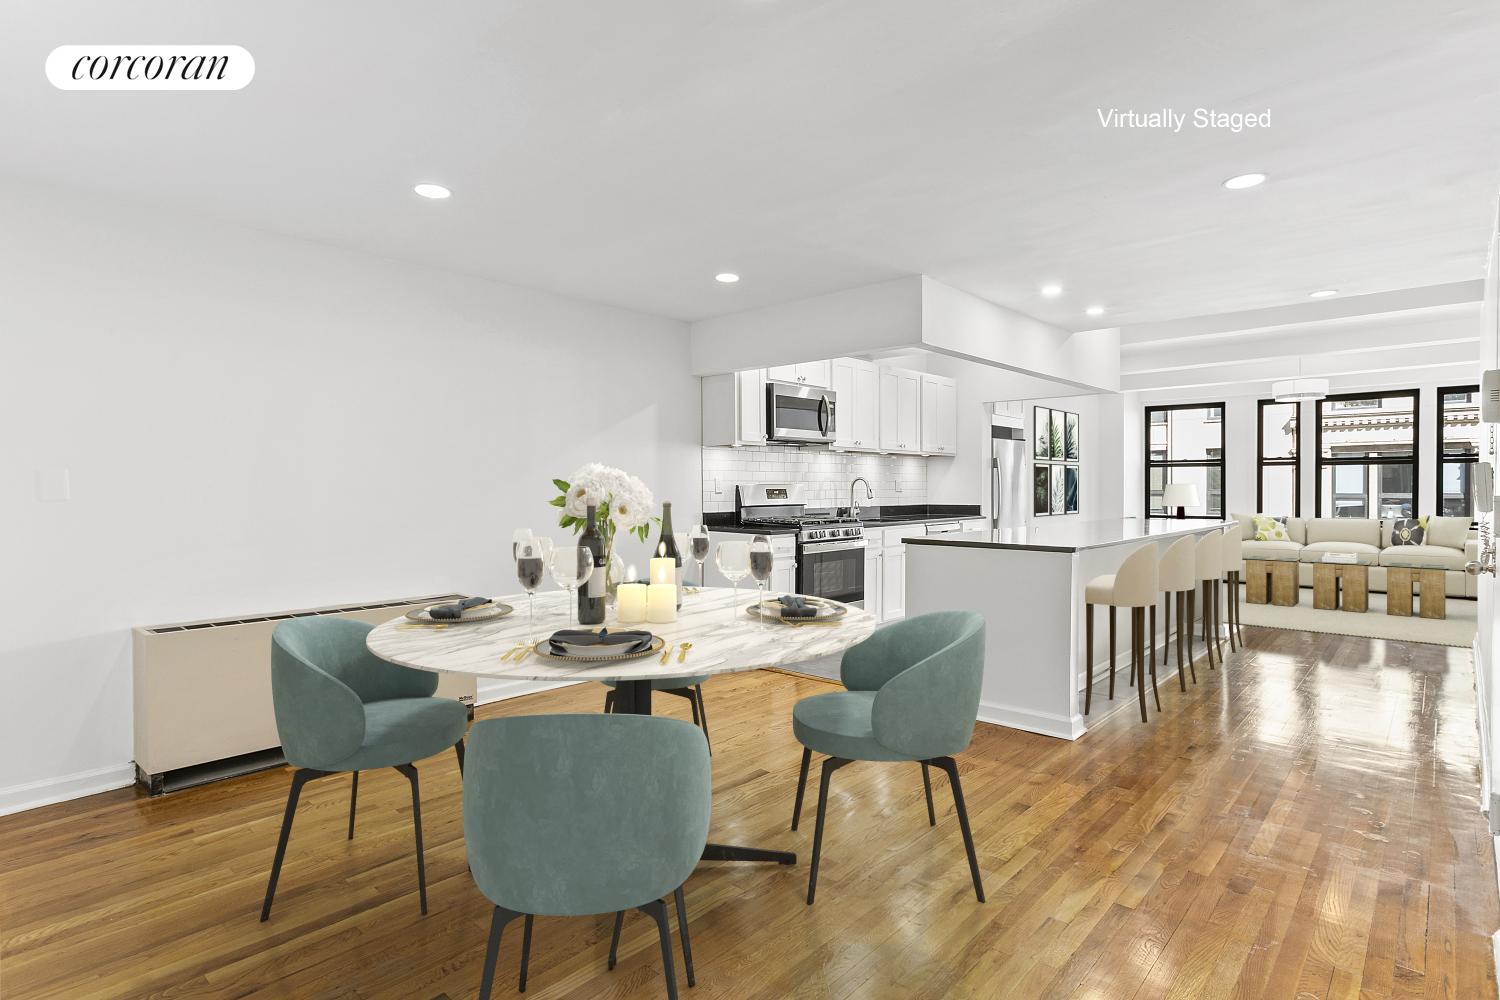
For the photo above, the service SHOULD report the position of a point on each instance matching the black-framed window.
(1185, 444)
(1278, 485)
(1367, 449)
(1458, 449)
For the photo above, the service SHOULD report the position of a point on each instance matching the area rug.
(1456, 630)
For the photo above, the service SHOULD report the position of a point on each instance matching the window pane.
(1378, 427)
(1191, 435)
(1461, 424)
(1374, 490)
(1278, 490)
(1278, 430)
(1458, 489)
(1205, 478)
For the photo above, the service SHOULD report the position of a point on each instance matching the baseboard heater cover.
(203, 694)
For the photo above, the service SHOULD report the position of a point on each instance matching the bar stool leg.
(1218, 614)
(1237, 622)
(1155, 693)
(1151, 638)
(1138, 653)
(1181, 679)
(1088, 652)
(1111, 652)
(1229, 620)
(1190, 612)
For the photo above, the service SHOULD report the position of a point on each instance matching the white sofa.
(1451, 543)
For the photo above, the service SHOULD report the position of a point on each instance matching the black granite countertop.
(873, 515)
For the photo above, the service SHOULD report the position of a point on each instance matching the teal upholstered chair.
(339, 707)
(569, 815)
(690, 688)
(912, 695)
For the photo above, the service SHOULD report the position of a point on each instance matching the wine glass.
(761, 561)
(698, 548)
(516, 538)
(733, 560)
(571, 566)
(546, 543)
(529, 573)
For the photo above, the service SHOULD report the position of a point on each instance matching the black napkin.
(456, 610)
(628, 641)
(796, 606)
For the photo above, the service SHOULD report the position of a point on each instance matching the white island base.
(1029, 584)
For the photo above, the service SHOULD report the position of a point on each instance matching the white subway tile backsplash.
(826, 474)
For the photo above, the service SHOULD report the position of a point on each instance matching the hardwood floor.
(1302, 824)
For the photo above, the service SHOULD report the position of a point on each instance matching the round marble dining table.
(721, 635)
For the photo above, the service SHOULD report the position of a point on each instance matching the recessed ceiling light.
(1095, 310)
(1325, 293)
(1051, 291)
(727, 278)
(1244, 181)
(432, 191)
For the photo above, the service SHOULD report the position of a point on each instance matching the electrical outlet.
(718, 484)
(898, 485)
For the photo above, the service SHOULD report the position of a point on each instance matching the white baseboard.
(1030, 721)
(18, 798)
(497, 690)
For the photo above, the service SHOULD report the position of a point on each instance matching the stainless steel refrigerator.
(1009, 482)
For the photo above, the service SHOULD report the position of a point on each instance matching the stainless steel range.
(830, 549)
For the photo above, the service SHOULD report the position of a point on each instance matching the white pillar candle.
(664, 571)
(661, 598)
(631, 603)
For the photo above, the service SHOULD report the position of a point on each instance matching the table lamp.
(1181, 495)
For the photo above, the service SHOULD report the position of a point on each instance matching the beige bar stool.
(1233, 554)
(1177, 578)
(1133, 587)
(1209, 566)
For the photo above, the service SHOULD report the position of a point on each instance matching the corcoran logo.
(149, 67)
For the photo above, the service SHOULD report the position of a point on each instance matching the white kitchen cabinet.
(979, 524)
(873, 564)
(893, 582)
(856, 384)
(939, 428)
(734, 409)
(900, 411)
(783, 566)
(813, 373)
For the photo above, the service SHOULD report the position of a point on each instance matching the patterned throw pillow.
(1409, 531)
(1270, 529)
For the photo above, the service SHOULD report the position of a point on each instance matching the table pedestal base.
(634, 698)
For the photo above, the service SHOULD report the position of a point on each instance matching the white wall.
(253, 423)
(1100, 475)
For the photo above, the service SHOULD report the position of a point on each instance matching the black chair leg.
(657, 911)
(501, 917)
(609, 701)
(950, 765)
(693, 703)
(525, 951)
(300, 777)
(614, 943)
(353, 798)
(927, 786)
(410, 771)
(829, 766)
(801, 786)
(703, 714)
(687, 949)
(458, 748)
(1088, 653)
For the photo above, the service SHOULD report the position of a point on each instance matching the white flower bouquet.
(624, 503)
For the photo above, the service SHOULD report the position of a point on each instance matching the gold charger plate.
(657, 642)
(840, 610)
(498, 611)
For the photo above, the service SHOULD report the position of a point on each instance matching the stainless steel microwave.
(800, 414)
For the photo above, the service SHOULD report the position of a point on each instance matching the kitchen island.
(1029, 584)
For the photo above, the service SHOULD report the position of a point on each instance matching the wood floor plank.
(1301, 822)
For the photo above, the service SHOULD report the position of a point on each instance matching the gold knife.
(666, 654)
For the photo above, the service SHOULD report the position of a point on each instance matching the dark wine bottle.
(668, 547)
(591, 594)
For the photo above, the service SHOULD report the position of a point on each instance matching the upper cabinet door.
(900, 410)
(939, 415)
(856, 388)
(750, 400)
(816, 373)
(782, 373)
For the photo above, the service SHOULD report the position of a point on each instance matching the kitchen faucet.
(869, 495)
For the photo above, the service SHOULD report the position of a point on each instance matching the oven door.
(800, 414)
(834, 570)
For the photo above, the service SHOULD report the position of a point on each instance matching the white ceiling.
(627, 152)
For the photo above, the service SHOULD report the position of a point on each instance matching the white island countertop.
(1073, 536)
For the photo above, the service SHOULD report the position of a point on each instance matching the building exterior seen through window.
(1185, 444)
(1458, 423)
(1367, 455)
(1279, 488)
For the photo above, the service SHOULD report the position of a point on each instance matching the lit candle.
(631, 600)
(663, 568)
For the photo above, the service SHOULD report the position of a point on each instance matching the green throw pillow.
(1271, 529)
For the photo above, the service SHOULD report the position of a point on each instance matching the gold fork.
(417, 625)
(524, 652)
(683, 655)
(512, 652)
